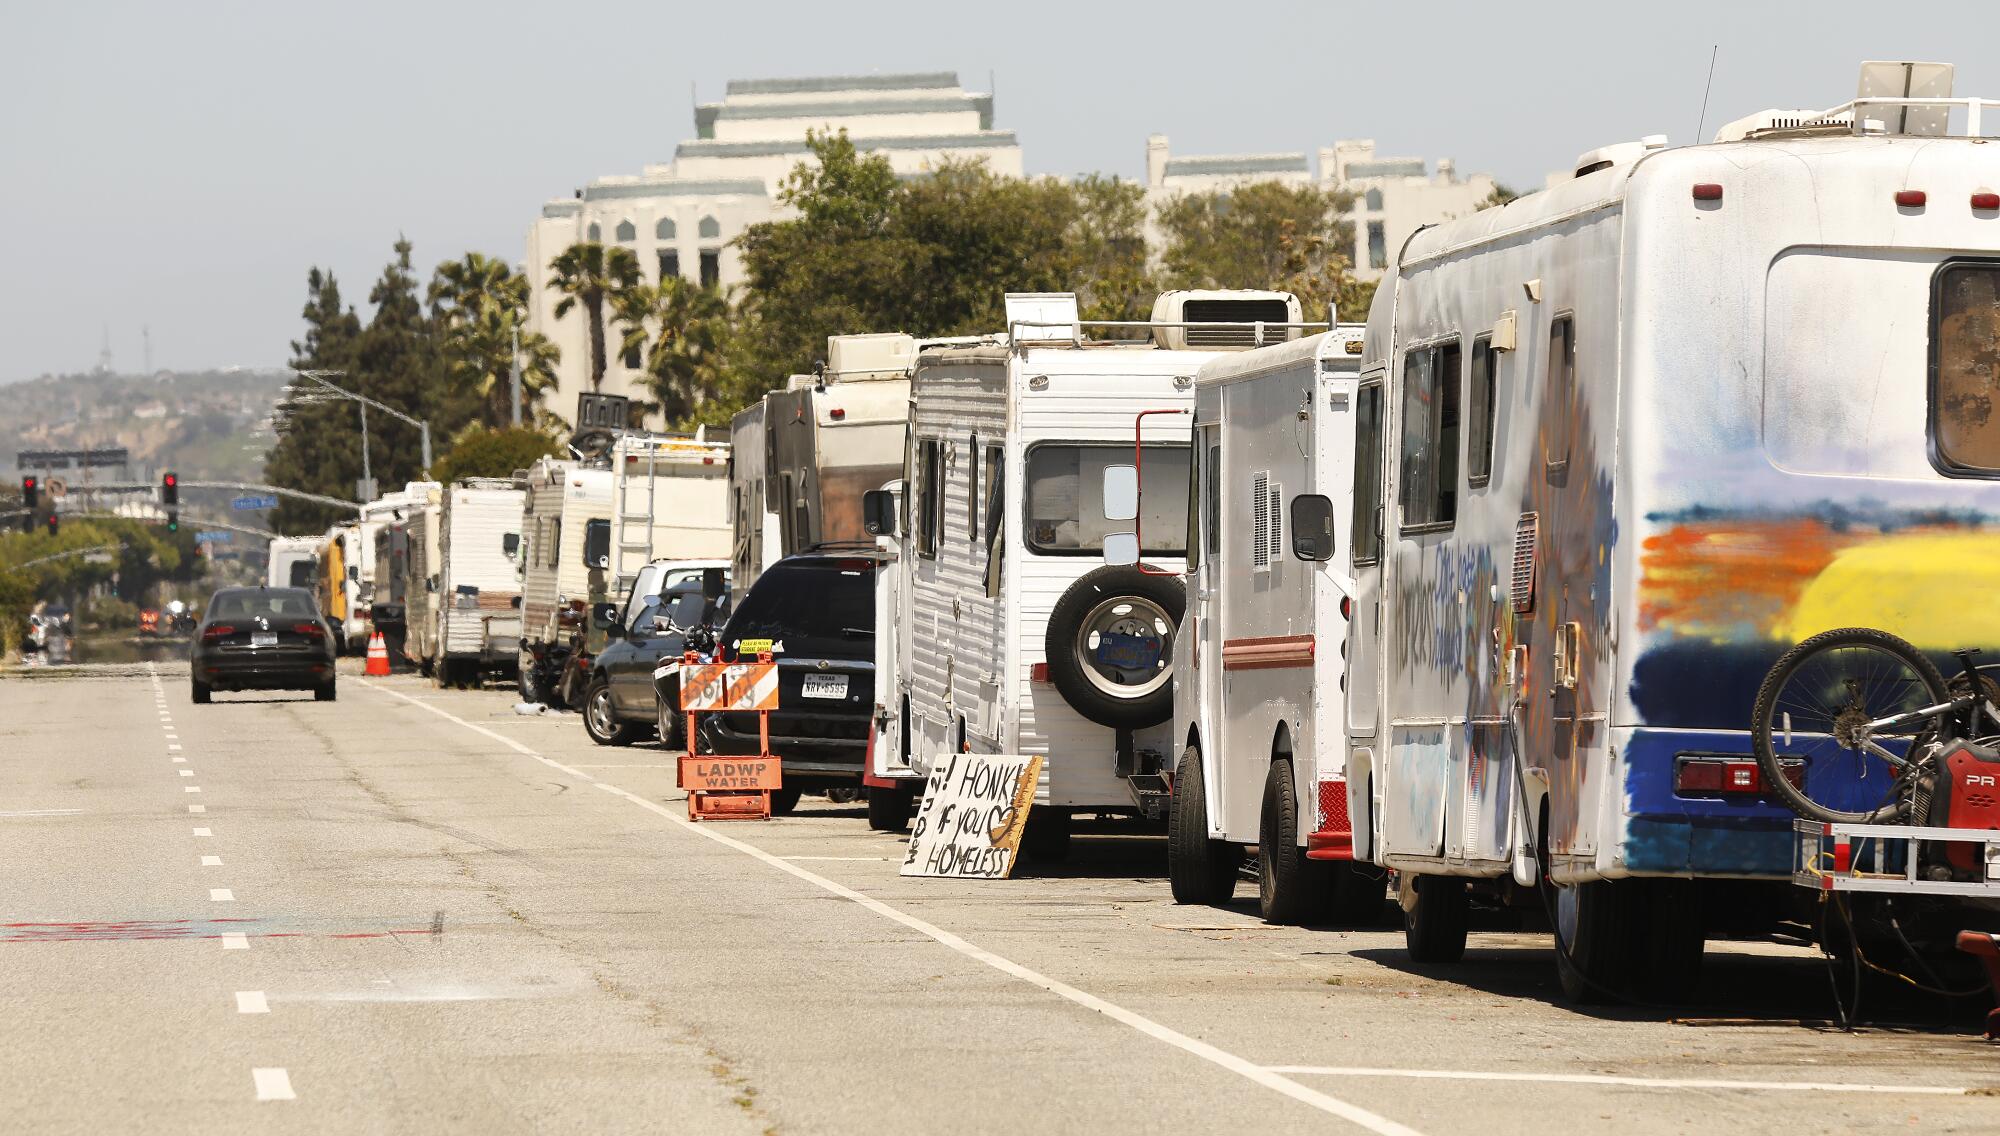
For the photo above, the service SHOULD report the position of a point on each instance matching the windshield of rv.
(1063, 513)
(810, 608)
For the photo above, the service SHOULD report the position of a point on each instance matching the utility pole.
(514, 380)
(423, 425)
(367, 485)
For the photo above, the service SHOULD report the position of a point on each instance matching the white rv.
(755, 541)
(1259, 667)
(339, 588)
(422, 562)
(669, 500)
(563, 497)
(293, 562)
(478, 592)
(1017, 640)
(1639, 433)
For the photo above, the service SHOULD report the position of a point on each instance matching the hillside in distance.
(205, 425)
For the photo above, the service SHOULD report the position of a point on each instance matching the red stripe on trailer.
(1843, 855)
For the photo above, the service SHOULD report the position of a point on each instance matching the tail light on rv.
(1039, 673)
(1910, 198)
(1986, 201)
(1729, 775)
(1707, 191)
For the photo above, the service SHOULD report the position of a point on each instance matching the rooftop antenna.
(1703, 122)
(104, 353)
(146, 345)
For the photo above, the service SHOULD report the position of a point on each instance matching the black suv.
(818, 612)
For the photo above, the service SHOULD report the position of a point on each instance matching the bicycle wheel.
(1811, 723)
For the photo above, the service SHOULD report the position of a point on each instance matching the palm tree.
(460, 284)
(685, 366)
(591, 273)
(479, 353)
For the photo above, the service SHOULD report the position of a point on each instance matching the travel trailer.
(805, 455)
(293, 561)
(669, 501)
(338, 585)
(1016, 639)
(378, 518)
(478, 592)
(423, 561)
(563, 497)
(1259, 679)
(1638, 434)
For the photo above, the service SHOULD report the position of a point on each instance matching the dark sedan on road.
(262, 639)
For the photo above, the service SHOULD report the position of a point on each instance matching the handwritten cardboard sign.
(974, 810)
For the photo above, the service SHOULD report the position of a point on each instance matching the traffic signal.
(173, 520)
(170, 489)
(54, 523)
(31, 494)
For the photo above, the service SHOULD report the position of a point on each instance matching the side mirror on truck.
(1121, 503)
(878, 512)
(1312, 526)
(597, 543)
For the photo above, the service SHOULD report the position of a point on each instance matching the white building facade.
(681, 217)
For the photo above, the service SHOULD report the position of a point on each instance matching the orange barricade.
(729, 788)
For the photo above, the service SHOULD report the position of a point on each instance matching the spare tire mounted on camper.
(1110, 645)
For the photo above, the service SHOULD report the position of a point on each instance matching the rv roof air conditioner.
(1618, 154)
(876, 356)
(1242, 307)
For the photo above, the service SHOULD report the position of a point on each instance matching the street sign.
(212, 537)
(260, 501)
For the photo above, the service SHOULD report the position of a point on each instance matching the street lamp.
(422, 425)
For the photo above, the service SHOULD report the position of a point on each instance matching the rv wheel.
(524, 677)
(889, 808)
(1434, 912)
(1200, 870)
(1290, 888)
(1110, 646)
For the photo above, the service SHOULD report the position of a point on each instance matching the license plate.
(263, 638)
(825, 686)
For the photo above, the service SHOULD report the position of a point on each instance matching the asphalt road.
(413, 910)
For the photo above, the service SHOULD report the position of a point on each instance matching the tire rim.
(1134, 626)
(600, 713)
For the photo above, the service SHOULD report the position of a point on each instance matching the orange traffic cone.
(378, 655)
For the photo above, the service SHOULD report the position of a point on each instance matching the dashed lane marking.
(211, 861)
(1214, 1055)
(187, 772)
(179, 759)
(273, 1084)
(1608, 1079)
(197, 808)
(235, 941)
(172, 748)
(204, 832)
(221, 895)
(251, 1002)
(18, 813)
(190, 788)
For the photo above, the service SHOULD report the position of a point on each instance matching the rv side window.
(1965, 368)
(1479, 415)
(1063, 505)
(972, 490)
(1429, 491)
(1212, 518)
(994, 491)
(1561, 391)
(930, 475)
(1367, 474)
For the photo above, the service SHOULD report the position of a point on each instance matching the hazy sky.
(181, 165)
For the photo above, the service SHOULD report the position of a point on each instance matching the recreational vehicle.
(1638, 434)
(338, 586)
(420, 581)
(755, 541)
(669, 501)
(1016, 639)
(293, 561)
(378, 518)
(479, 587)
(563, 497)
(1259, 679)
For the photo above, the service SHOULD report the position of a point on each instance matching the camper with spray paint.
(1638, 434)
(1016, 639)
(1260, 664)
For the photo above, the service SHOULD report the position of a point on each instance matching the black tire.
(1199, 869)
(1290, 888)
(784, 802)
(524, 678)
(1888, 691)
(198, 691)
(600, 717)
(672, 726)
(1094, 601)
(324, 693)
(1670, 912)
(889, 808)
(1434, 925)
(1600, 941)
(426, 668)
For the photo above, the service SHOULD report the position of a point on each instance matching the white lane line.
(172, 748)
(37, 813)
(197, 808)
(211, 861)
(838, 859)
(273, 1084)
(251, 1002)
(1606, 1079)
(653, 766)
(235, 941)
(1249, 1070)
(187, 772)
(204, 832)
(179, 760)
(221, 895)
(190, 788)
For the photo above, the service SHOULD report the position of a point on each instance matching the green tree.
(591, 275)
(1501, 195)
(1262, 235)
(481, 451)
(479, 307)
(684, 333)
(1107, 238)
(461, 285)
